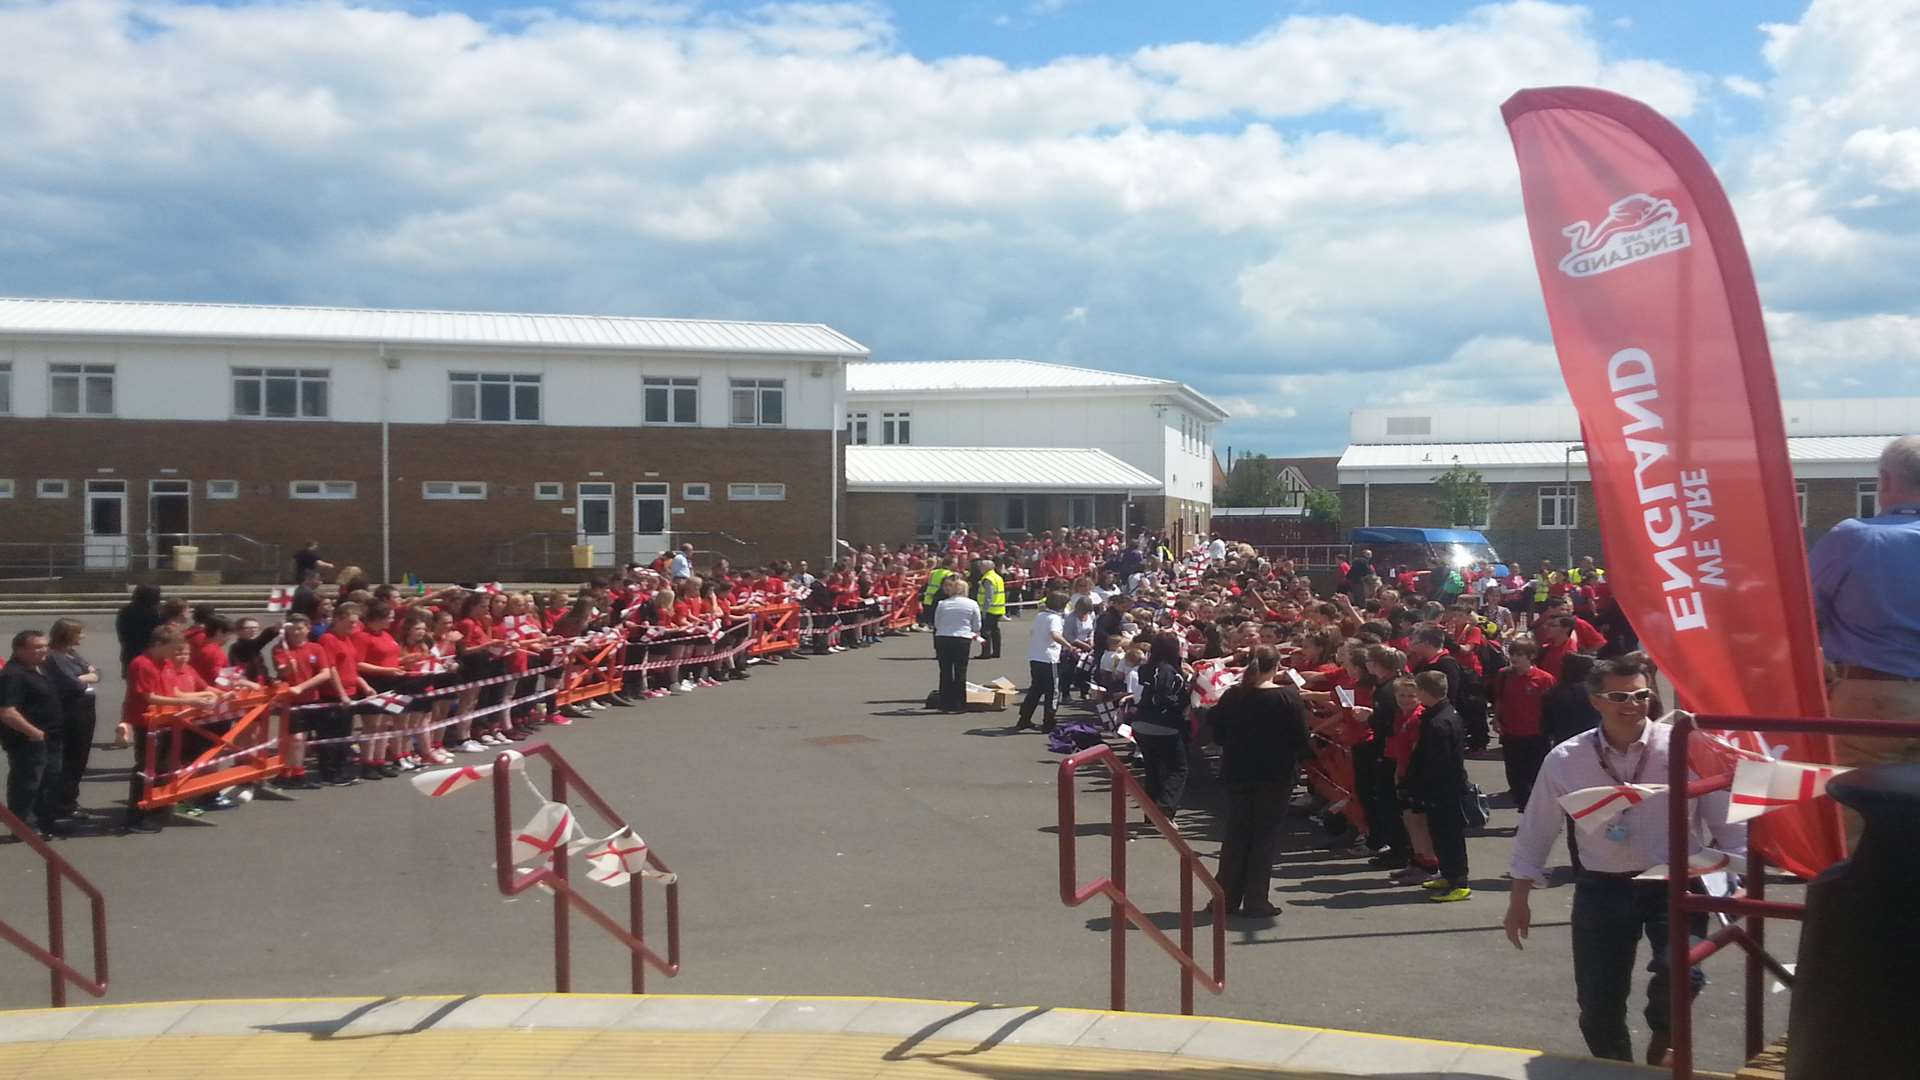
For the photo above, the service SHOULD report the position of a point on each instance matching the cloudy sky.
(1296, 207)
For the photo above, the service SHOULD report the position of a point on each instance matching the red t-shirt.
(144, 679)
(379, 649)
(475, 632)
(1405, 737)
(1552, 656)
(298, 665)
(345, 660)
(1517, 699)
(208, 659)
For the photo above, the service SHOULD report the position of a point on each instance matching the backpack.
(1473, 807)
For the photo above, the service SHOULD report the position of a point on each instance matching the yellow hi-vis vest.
(992, 594)
(934, 577)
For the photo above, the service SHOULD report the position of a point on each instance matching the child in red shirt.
(159, 676)
(1518, 693)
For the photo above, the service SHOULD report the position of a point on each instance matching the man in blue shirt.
(1866, 594)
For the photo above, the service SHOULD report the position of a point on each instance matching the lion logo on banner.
(1637, 227)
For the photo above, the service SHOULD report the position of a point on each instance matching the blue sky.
(1298, 208)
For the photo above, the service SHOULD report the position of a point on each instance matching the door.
(169, 517)
(105, 546)
(651, 536)
(593, 520)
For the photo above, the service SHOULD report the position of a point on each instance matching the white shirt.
(1041, 648)
(956, 616)
(681, 567)
(1217, 550)
(1588, 761)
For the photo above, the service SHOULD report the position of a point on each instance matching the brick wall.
(879, 517)
(437, 539)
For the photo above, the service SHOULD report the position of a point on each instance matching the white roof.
(617, 333)
(991, 468)
(875, 378)
(1498, 458)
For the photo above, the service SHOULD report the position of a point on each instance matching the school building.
(453, 445)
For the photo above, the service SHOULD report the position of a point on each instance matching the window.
(857, 429)
(759, 402)
(322, 489)
(696, 492)
(549, 491)
(50, 489)
(1409, 425)
(1013, 513)
(756, 492)
(453, 489)
(280, 393)
(1866, 500)
(81, 390)
(1080, 511)
(1800, 498)
(6, 489)
(495, 399)
(6, 389)
(223, 489)
(935, 515)
(1558, 508)
(671, 401)
(896, 428)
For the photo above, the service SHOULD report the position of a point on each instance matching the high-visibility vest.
(1541, 589)
(992, 594)
(934, 577)
(1579, 578)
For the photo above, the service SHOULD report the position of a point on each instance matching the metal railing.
(58, 558)
(1306, 556)
(512, 881)
(54, 955)
(1113, 886)
(1752, 904)
(554, 550)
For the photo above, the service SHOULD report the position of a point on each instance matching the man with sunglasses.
(1612, 910)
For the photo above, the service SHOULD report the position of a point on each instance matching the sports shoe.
(1412, 875)
(709, 682)
(343, 780)
(685, 686)
(561, 720)
(597, 705)
(1449, 896)
(471, 746)
(1436, 884)
(440, 757)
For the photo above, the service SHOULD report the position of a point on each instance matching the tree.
(1252, 482)
(1323, 506)
(1463, 495)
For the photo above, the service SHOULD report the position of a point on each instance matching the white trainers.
(686, 686)
(471, 747)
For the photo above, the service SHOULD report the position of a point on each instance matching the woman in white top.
(1043, 655)
(1078, 629)
(956, 622)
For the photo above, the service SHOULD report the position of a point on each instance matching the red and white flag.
(1761, 787)
(280, 600)
(1211, 678)
(491, 588)
(1595, 808)
(615, 858)
(229, 677)
(546, 833)
(389, 702)
(1700, 863)
(439, 782)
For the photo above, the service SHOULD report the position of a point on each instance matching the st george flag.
(1658, 329)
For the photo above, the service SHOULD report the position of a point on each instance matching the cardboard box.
(996, 696)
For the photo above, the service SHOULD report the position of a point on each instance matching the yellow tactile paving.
(578, 1055)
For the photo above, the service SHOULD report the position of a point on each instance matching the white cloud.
(1741, 86)
(1323, 215)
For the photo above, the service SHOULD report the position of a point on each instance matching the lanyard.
(1600, 752)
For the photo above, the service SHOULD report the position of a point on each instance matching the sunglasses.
(1621, 697)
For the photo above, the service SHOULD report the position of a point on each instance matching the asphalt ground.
(832, 838)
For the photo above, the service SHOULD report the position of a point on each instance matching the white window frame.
(758, 391)
(1026, 514)
(1077, 501)
(1866, 499)
(550, 491)
(453, 490)
(670, 385)
(52, 489)
(223, 489)
(83, 375)
(939, 503)
(756, 492)
(514, 381)
(301, 378)
(323, 490)
(6, 388)
(858, 428)
(6, 489)
(896, 428)
(1564, 495)
(696, 492)
(1800, 497)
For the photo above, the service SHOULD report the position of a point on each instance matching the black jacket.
(134, 627)
(1263, 735)
(1567, 711)
(1437, 774)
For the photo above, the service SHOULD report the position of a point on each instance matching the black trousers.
(1165, 757)
(989, 636)
(1610, 915)
(1040, 692)
(1246, 854)
(333, 723)
(76, 750)
(1473, 716)
(1448, 826)
(136, 783)
(33, 778)
(1373, 776)
(951, 654)
(1523, 756)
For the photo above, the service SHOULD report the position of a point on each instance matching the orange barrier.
(224, 761)
(777, 629)
(584, 680)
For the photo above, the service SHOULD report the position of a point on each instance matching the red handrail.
(512, 881)
(1682, 954)
(54, 956)
(1114, 885)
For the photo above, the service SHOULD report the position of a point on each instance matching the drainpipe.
(387, 366)
(1366, 497)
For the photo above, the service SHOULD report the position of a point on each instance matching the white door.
(105, 546)
(593, 517)
(651, 536)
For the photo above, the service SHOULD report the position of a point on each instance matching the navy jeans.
(1610, 915)
(33, 779)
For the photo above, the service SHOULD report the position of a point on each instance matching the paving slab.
(696, 1014)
